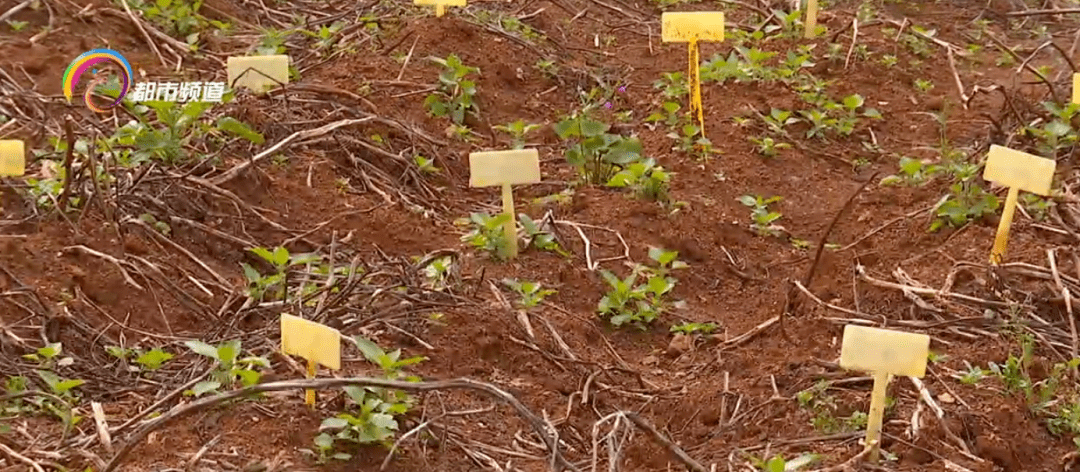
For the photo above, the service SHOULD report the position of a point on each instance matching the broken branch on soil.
(490, 390)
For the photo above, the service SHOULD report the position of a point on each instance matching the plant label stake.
(440, 5)
(316, 343)
(883, 353)
(810, 24)
(505, 168)
(257, 73)
(1076, 88)
(1018, 171)
(691, 27)
(12, 158)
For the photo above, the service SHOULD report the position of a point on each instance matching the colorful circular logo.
(87, 61)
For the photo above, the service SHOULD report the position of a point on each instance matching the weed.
(538, 238)
(761, 218)
(672, 85)
(454, 97)
(628, 302)
(923, 85)
(548, 68)
(668, 114)
(425, 165)
(150, 360)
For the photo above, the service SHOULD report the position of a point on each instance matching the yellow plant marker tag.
(1018, 171)
(811, 19)
(691, 27)
(316, 343)
(883, 353)
(1076, 88)
(257, 73)
(505, 168)
(440, 5)
(12, 158)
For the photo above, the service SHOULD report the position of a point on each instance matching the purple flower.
(607, 105)
(622, 89)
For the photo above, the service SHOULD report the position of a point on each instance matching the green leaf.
(202, 348)
(228, 351)
(590, 128)
(852, 102)
(248, 377)
(264, 253)
(1058, 128)
(204, 387)
(280, 256)
(748, 200)
(233, 126)
(371, 351)
(324, 441)
(64, 386)
(153, 359)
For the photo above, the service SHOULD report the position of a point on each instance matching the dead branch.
(490, 390)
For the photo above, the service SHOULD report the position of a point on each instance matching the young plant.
(761, 218)
(647, 179)
(532, 293)
(150, 360)
(517, 131)
(668, 115)
(689, 328)
(767, 146)
(596, 154)
(628, 302)
(275, 284)
(913, 172)
(374, 413)
(538, 238)
(487, 233)
(454, 97)
(230, 369)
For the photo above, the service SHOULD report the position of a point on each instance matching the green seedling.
(668, 115)
(778, 120)
(487, 233)
(597, 154)
(48, 357)
(426, 165)
(17, 26)
(150, 360)
(548, 68)
(672, 86)
(972, 375)
(532, 293)
(628, 302)
(923, 85)
(913, 172)
(437, 273)
(689, 328)
(767, 146)
(691, 140)
(538, 238)
(275, 284)
(372, 418)
(454, 97)
(230, 369)
(517, 131)
(761, 217)
(647, 179)
(779, 464)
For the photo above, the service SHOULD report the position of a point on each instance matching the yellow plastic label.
(12, 158)
(310, 340)
(1076, 88)
(884, 351)
(449, 3)
(519, 166)
(690, 26)
(1013, 168)
(262, 72)
(810, 25)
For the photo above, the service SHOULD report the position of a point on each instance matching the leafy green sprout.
(778, 464)
(597, 154)
(668, 114)
(767, 146)
(274, 284)
(517, 131)
(647, 179)
(454, 97)
(923, 85)
(548, 68)
(149, 360)
(913, 172)
(690, 328)
(762, 219)
(628, 302)
(487, 233)
(229, 369)
(538, 238)
(373, 418)
(426, 165)
(531, 293)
